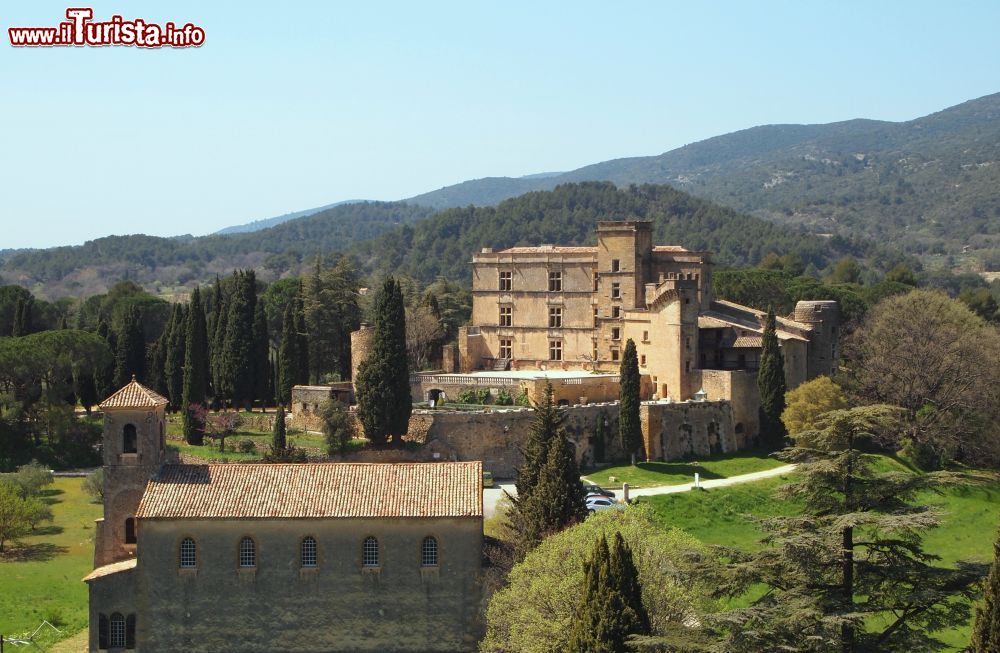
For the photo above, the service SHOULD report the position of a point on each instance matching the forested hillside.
(444, 244)
(928, 184)
(163, 263)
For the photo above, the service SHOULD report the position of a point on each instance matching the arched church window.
(129, 439)
(117, 638)
(307, 551)
(369, 552)
(188, 554)
(429, 552)
(248, 553)
(130, 530)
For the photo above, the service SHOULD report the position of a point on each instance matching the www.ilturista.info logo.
(79, 30)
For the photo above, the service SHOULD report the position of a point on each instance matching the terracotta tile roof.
(134, 395)
(113, 568)
(743, 342)
(262, 491)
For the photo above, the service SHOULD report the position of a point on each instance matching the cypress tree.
(629, 424)
(261, 360)
(173, 367)
(278, 440)
(22, 318)
(238, 347)
(104, 375)
(288, 357)
(217, 336)
(608, 613)
(196, 373)
(549, 491)
(383, 383)
(771, 386)
(986, 632)
(130, 358)
(85, 386)
(301, 343)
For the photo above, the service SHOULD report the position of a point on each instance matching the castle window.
(555, 318)
(687, 342)
(506, 316)
(555, 350)
(116, 637)
(129, 440)
(642, 360)
(248, 553)
(595, 282)
(645, 336)
(616, 311)
(307, 551)
(616, 290)
(616, 333)
(130, 530)
(615, 354)
(188, 554)
(616, 265)
(595, 317)
(429, 552)
(505, 348)
(506, 280)
(555, 281)
(369, 552)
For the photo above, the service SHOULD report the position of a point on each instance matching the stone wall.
(496, 435)
(278, 606)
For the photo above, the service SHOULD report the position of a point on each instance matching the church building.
(323, 557)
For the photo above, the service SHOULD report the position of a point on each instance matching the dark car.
(597, 489)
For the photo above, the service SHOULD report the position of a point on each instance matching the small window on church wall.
(307, 551)
(129, 439)
(117, 635)
(248, 553)
(130, 530)
(189, 554)
(429, 552)
(369, 552)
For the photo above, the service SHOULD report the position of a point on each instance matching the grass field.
(41, 579)
(970, 517)
(682, 471)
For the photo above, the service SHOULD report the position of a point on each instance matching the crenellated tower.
(134, 450)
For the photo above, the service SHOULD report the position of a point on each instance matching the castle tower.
(823, 353)
(361, 343)
(134, 450)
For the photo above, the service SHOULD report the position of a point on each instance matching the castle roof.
(315, 490)
(113, 568)
(134, 395)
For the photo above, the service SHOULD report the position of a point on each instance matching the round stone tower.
(361, 343)
(824, 318)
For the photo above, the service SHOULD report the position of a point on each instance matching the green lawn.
(970, 517)
(682, 471)
(41, 579)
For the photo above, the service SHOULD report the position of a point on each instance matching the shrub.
(468, 396)
(336, 426)
(94, 485)
(504, 399)
(482, 396)
(246, 446)
(523, 400)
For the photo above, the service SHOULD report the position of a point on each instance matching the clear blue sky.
(293, 105)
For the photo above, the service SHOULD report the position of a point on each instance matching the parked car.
(597, 489)
(598, 496)
(601, 503)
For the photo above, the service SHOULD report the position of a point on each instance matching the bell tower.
(134, 451)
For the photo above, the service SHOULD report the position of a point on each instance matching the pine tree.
(771, 386)
(549, 491)
(196, 372)
(629, 425)
(288, 357)
(261, 357)
(130, 357)
(986, 632)
(383, 383)
(849, 573)
(68, 384)
(610, 609)
(279, 442)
